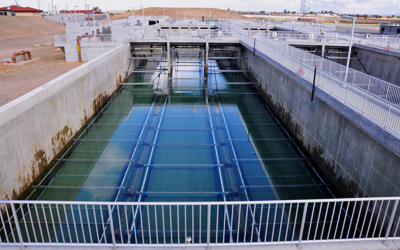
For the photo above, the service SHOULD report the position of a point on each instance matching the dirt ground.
(21, 33)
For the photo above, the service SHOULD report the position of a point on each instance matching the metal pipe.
(22, 52)
(78, 44)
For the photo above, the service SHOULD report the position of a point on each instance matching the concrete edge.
(317, 245)
(19, 105)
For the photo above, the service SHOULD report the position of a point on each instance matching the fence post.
(17, 224)
(208, 225)
(111, 224)
(303, 221)
(391, 220)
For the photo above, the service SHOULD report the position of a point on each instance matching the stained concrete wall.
(357, 156)
(35, 127)
(380, 63)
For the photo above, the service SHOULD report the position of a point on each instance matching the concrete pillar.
(323, 51)
(206, 59)
(169, 57)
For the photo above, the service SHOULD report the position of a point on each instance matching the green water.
(183, 139)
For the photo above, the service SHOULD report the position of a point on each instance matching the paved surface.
(365, 245)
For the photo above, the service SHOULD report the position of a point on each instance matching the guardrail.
(373, 85)
(389, 43)
(369, 96)
(305, 27)
(183, 33)
(91, 224)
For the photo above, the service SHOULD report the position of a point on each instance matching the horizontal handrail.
(199, 202)
(198, 223)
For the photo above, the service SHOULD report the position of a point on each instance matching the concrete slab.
(361, 245)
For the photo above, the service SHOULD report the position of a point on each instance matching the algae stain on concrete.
(61, 139)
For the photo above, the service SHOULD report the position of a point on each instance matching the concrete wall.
(358, 157)
(35, 127)
(380, 63)
(89, 51)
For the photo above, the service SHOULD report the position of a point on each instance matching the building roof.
(84, 11)
(16, 8)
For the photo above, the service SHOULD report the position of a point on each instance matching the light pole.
(350, 45)
(184, 13)
(269, 21)
(131, 10)
(164, 12)
(141, 6)
(75, 11)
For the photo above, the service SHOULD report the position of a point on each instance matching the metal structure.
(36, 223)
(305, 6)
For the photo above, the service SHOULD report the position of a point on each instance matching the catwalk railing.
(371, 97)
(170, 34)
(27, 223)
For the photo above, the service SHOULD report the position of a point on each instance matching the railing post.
(111, 224)
(387, 117)
(17, 224)
(391, 220)
(208, 225)
(303, 221)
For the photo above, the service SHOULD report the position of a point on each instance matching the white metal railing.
(305, 26)
(369, 96)
(378, 87)
(91, 224)
(183, 34)
(390, 43)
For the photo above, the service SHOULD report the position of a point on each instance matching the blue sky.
(382, 7)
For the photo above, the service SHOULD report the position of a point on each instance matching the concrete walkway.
(362, 245)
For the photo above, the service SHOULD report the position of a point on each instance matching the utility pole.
(52, 6)
(38, 3)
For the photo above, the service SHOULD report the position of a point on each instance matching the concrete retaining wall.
(35, 127)
(380, 63)
(358, 157)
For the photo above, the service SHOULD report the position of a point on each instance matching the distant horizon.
(369, 7)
